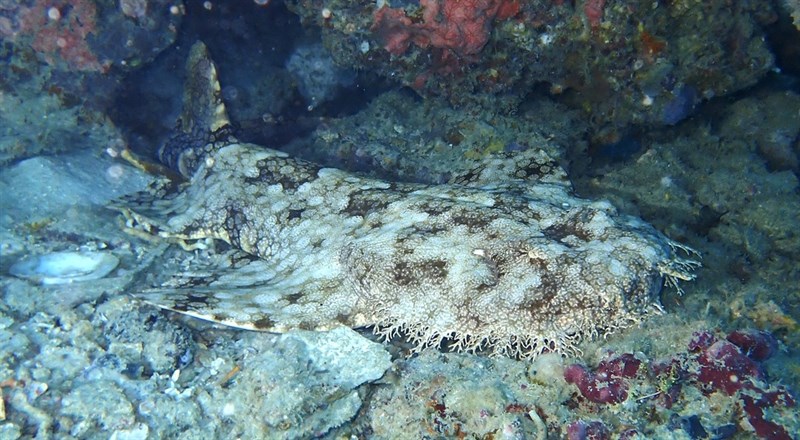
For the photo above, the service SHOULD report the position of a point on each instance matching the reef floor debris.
(65, 267)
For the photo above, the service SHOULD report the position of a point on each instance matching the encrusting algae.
(502, 258)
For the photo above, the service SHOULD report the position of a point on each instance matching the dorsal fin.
(204, 125)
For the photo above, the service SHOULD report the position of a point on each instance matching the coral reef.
(741, 208)
(63, 60)
(622, 63)
(462, 27)
(593, 10)
(91, 36)
(318, 78)
(731, 367)
(397, 137)
(606, 384)
(64, 127)
(62, 38)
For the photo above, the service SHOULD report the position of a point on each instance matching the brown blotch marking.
(560, 231)
(573, 226)
(294, 214)
(305, 325)
(289, 173)
(190, 302)
(241, 259)
(414, 274)
(199, 281)
(471, 220)
(219, 318)
(468, 177)
(428, 229)
(264, 323)
(192, 298)
(536, 169)
(234, 220)
(539, 305)
(436, 269)
(583, 303)
(343, 318)
(400, 243)
(432, 210)
(539, 263)
(363, 203)
(189, 230)
(403, 274)
(294, 298)
(549, 284)
(515, 204)
(544, 295)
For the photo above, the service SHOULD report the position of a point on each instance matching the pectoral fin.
(235, 289)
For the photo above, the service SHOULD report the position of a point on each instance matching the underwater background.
(683, 113)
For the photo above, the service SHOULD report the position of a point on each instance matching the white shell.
(65, 267)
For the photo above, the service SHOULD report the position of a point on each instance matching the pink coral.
(594, 12)
(59, 29)
(460, 26)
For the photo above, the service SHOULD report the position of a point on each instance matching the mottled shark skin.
(504, 258)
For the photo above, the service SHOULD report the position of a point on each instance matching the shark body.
(503, 257)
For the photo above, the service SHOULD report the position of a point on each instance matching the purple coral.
(724, 366)
(757, 345)
(594, 430)
(731, 366)
(606, 384)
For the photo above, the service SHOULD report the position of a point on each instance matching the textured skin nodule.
(517, 268)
